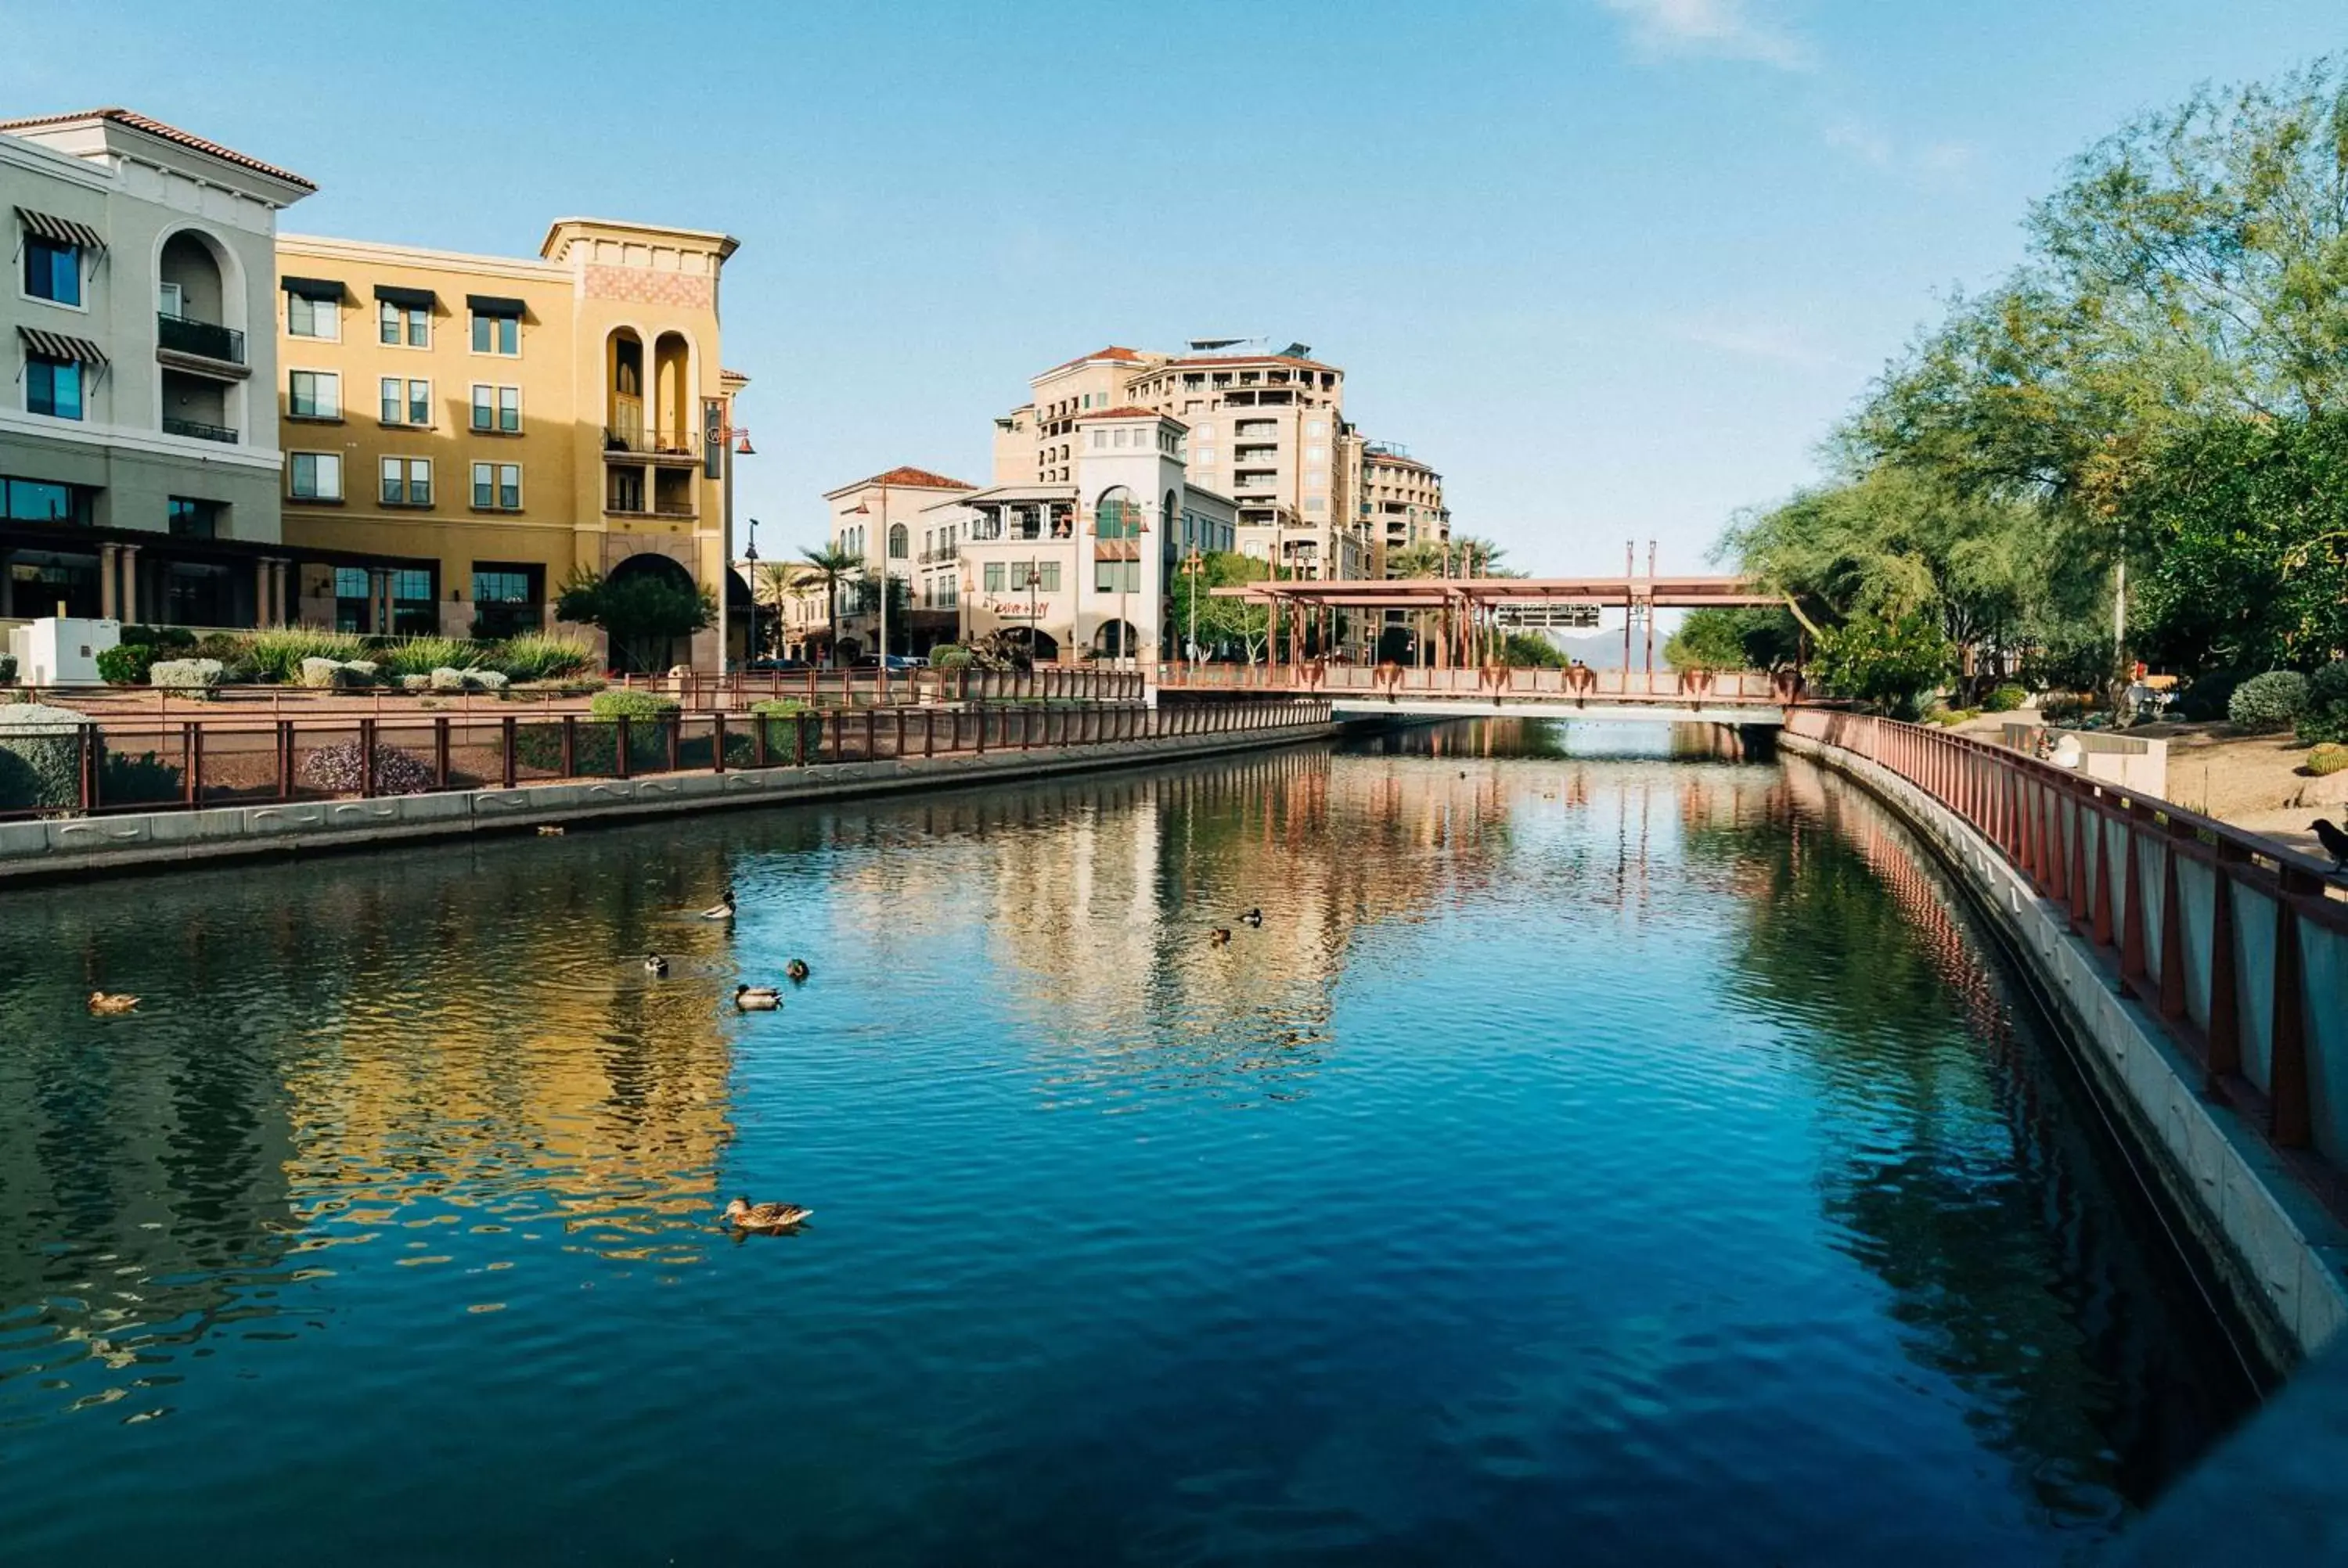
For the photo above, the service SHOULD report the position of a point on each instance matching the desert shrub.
(2269, 703)
(425, 655)
(596, 742)
(2327, 758)
(40, 757)
(277, 653)
(8, 669)
(445, 679)
(143, 779)
(416, 683)
(2326, 715)
(124, 664)
(950, 656)
(335, 769)
(189, 677)
(1949, 717)
(2064, 708)
(2004, 699)
(536, 656)
(2205, 697)
(624, 703)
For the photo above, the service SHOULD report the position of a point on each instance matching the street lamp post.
(1034, 579)
(751, 554)
(1194, 567)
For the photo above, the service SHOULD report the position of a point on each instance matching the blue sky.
(1613, 266)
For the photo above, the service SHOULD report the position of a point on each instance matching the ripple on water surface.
(1621, 1158)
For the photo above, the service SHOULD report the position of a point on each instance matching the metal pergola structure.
(1465, 605)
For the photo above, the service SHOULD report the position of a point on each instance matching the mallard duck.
(1218, 936)
(798, 971)
(548, 830)
(758, 998)
(655, 965)
(744, 1215)
(1252, 917)
(721, 910)
(111, 1001)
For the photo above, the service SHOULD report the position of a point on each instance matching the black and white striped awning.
(61, 346)
(64, 231)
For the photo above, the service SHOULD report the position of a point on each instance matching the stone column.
(110, 562)
(378, 599)
(130, 583)
(263, 607)
(279, 570)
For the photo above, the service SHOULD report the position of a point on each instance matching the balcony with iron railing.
(198, 429)
(198, 340)
(941, 553)
(637, 444)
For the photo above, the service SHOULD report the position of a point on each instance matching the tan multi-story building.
(792, 615)
(1266, 429)
(463, 433)
(884, 519)
(1401, 502)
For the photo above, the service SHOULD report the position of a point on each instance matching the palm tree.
(834, 566)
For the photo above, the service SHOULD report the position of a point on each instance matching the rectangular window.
(392, 399)
(306, 317)
(500, 586)
(497, 334)
(317, 475)
(314, 395)
(1050, 572)
(994, 577)
(351, 583)
(497, 486)
(419, 403)
(44, 501)
(509, 410)
(415, 586)
(52, 270)
(407, 481)
(398, 324)
(1117, 577)
(53, 386)
(193, 519)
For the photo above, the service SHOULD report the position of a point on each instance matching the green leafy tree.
(1528, 650)
(1741, 638)
(642, 614)
(1888, 662)
(832, 565)
(1222, 621)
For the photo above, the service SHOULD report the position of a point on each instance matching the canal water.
(1597, 1154)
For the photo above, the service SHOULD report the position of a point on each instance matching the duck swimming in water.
(1220, 936)
(758, 998)
(655, 965)
(798, 971)
(744, 1215)
(1252, 917)
(721, 910)
(111, 1001)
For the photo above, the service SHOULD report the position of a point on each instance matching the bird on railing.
(2334, 842)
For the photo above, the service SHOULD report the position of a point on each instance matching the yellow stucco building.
(463, 432)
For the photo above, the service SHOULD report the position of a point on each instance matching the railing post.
(506, 751)
(675, 728)
(620, 758)
(87, 767)
(2079, 815)
(440, 751)
(758, 723)
(2134, 970)
(982, 731)
(2172, 931)
(366, 759)
(2225, 1006)
(2287, 1095)
(871, 724)
(569, 745)
(717, 741)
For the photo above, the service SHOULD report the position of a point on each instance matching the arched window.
(1117, 515)
(900, 541)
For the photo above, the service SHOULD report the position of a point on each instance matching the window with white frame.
(313, 318)
(498, 335)
(407, 481)
(403, 325)
(496, 408)
(313, 395)
(314, 476)
(497, 486)
(407, 401)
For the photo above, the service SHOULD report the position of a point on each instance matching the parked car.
(896, 662)
(778, 666)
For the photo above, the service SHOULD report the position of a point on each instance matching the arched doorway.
(648, 602)
(1115, 639)
(1039, 646)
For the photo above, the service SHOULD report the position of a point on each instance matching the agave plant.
(423, 655)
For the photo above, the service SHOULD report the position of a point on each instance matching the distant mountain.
(1603, 649)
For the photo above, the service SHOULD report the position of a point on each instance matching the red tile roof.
(1127, 412)
(1231, 359)
(913, 480)
(1123, 355)
(156, 128)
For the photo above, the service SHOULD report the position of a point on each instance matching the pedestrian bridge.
(1632, 696)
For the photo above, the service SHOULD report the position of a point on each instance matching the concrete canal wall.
(62, 848)
(2283, 1255)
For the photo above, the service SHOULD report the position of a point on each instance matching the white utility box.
(55, 651)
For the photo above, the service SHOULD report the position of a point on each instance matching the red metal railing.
(2234, 941)
(141, 765)
(1740, 688)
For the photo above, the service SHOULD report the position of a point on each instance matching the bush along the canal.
(143, 779)
(335, 769)
(539, 747)
(40, 757)
(124, 664)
